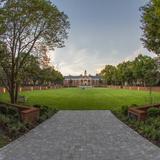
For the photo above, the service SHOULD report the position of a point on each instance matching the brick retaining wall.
(138, 88)
(32, 88)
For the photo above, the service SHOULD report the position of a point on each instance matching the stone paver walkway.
(81, 135)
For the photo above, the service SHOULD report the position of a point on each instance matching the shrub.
(153, 112)
(150, 128)
(124, 110)
(16, 129)
(147, 130)
(153, 122)
(45, 112)
(155, 134)
(4, 120)
(12, 125)
(3, 140)
(12, 132)
(42, 118)
(13, 112)
(133, 105)
(21, 127)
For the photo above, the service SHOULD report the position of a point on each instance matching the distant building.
(82, 80)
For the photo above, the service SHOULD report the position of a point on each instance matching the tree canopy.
(27, 26)
(151, 26)
(141, 71)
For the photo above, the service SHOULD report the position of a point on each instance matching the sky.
(102, 32)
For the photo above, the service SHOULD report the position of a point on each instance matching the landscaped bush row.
(153, 112)
(45, 112)
(13, 127)
(3, 140)
(150, 128)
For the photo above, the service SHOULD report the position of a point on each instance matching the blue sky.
(102, 32)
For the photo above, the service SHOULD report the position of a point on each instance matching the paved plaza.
(81, 135)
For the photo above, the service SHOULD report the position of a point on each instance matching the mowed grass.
(87, 99)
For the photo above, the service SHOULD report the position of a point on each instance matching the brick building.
(82, 80)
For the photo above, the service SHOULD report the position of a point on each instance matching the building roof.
(70, 77)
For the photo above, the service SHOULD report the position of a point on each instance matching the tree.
(125, 73)
(151, 26)
(145, 70)
(2, 77)
(25, 26)
(107, 74)
(57, 77)
(35, 74)
(31, 71)
(142, 70)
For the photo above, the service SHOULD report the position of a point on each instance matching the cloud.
(135, 53)
(74, 60)
(99, 38)
(140, 50)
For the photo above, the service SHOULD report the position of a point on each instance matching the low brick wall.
(140, 113)
(25, 89)
(116, 87)
(32, 88)
(26, 114)
(30, 115)
(138, 88)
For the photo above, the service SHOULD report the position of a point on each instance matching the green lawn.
(91, 98)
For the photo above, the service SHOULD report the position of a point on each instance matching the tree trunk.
(150, 93)
(13, 89)
(12, 94)
(16, 92)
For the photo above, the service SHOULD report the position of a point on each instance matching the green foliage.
(108, 74)
(133, 105)
(4, 120)
(150, 128)
(13, 130)
(26, 27)
(153, 112)
(34, 74)
(145, 70)
(125, 73)
(141, 71)
(50, 75)
(125, 110)
(151, 26)
(13, 127)
(45, 112)
(3, 140)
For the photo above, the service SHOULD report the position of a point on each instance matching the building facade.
(82, 80)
